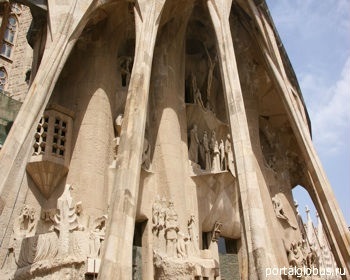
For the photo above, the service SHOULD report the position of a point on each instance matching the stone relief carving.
(66, 220)
(211, 155)
(279, 211)
(171, 229)
(97, 236)
(229, 155)
(176, 251)
(193, 234)
(214, 146)
(197, 95)
(25, 223)
(37, 248)
(301, 255)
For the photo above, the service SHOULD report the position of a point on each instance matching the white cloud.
(329, 109)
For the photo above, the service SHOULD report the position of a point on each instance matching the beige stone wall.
(21, 58)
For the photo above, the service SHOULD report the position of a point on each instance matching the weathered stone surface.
(152, 131)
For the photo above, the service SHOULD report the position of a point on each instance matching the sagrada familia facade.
(158, 139)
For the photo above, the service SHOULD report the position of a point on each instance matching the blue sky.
(316, 36)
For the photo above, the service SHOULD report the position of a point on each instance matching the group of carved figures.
(63, 235)
(165, 225)
(301, 255)
(210, 154)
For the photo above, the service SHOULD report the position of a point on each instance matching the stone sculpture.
(194, 145)
(229, 154)
(66, 220)
(215, 152)
(193, 234)
(97, 235)
(197, 95)
(278, 208)
(205, 143)
(172, 228)
(25, 223)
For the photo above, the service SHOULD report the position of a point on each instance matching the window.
(9, 37)
(3, 79)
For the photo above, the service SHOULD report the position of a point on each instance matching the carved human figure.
(229, 154)
(205, 143)
(194, 145)
(222, 155)
(182, 245)
(295, 256)
(97, 236)
(278, 208)
(193, 234)
(312, 258)
(209, 107)
(171, 230)
(197, 96)
(25, 224)
(162, 214)
(215, 166)
(155, 211)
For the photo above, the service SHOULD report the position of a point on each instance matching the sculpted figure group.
(212, 155)
(301, 255)
(178, 244)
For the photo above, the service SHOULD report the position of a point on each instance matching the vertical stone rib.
(117, 252)
(257, 238)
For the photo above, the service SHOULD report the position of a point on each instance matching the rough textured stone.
(152, 130)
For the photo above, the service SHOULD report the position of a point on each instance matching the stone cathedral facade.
(155, 135)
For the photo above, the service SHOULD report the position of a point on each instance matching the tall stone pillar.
(326, 203)
(254, 220)
(117, 253)
(324, 198)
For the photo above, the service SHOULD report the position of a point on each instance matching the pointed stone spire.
(320, 235)
(296, 205)
(309, 225)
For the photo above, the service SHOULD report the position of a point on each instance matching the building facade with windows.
(15, 62)
(16, 55)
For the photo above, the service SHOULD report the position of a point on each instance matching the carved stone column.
(117, 253)
(257, 238)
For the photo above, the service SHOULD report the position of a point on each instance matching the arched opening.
(312, 230)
